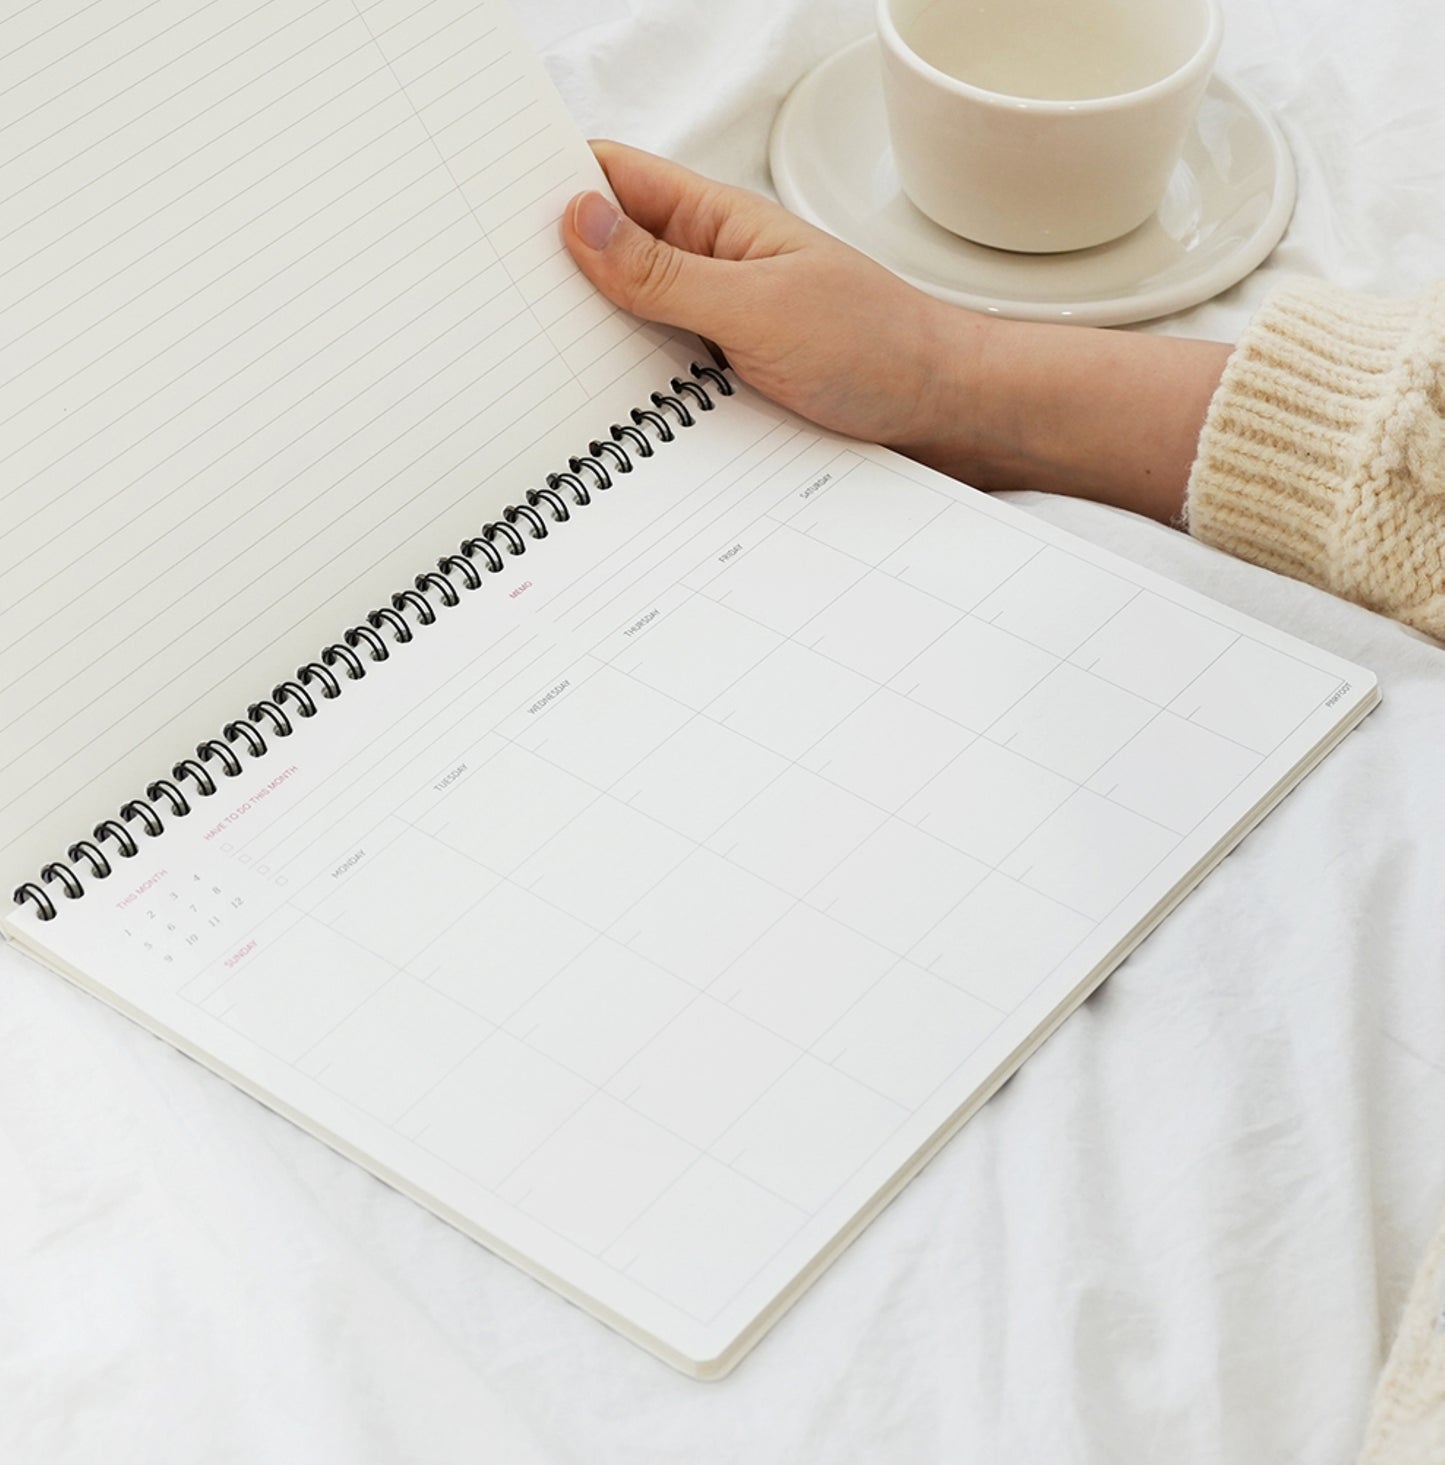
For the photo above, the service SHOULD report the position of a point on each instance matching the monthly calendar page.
(654, 913)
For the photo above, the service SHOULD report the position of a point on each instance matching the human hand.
(802, 317)
(815, 325)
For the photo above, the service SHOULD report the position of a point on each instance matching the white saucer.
(1227, 205)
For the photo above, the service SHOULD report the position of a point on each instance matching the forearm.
(1106, 415)
(817, 326)
(1318, 451)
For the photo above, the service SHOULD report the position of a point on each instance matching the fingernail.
(596, 220)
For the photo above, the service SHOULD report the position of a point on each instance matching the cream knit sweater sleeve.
(1323, 457)
(1323, 453)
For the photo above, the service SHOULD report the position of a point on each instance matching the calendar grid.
(626, 665)
(736, 917)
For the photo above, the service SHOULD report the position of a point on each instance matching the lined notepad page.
(654, 911)
(284, 314)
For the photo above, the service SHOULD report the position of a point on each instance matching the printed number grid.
(692, 941)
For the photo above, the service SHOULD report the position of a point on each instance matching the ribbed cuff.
(1283, 451)
(1407, 1421)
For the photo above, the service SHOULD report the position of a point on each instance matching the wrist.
(964, 418)
(1108, 415)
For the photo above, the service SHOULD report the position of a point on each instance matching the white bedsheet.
(1182, 1233)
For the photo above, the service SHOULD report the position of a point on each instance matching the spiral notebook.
(636, 825)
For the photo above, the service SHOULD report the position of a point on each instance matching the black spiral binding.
(322, 680)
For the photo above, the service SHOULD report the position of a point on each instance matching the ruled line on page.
(231, 305)
(198, 694)
(52, 734)
(97, 583)
(75, 413)
(111, 203)
(171, 225)
(45, 653)
(207, 508)
(91, 40)
(447, 159)
(76, 482)
(101, 319)
(50, 7)
(70, 410)
(106, 135)
(228, 202)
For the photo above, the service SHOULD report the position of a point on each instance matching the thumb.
(644, 274)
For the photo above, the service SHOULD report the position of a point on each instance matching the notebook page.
(654, 911)
(284, 315)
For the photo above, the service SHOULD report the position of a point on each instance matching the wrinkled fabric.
(1184, 1231)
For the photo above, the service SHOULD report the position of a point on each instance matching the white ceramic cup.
(1042, 125)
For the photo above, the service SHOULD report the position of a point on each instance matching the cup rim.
(1200, 60)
